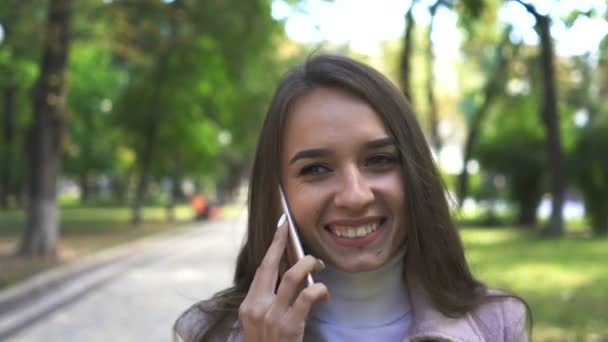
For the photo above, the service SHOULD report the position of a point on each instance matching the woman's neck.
(364, 299)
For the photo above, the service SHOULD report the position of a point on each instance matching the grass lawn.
(565, 281)
(83, 230)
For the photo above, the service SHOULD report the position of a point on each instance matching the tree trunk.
(150, 137)
(176, 188)
(84, 188)
(406, 55)
(526, 215)
(550, 115)
(21, 193)
(45, 137)
(152, 126)
(527, 194)
(430, 85)
(7, 146)
(551, 121)
(118, 188)
(140, 190)
(174, 194)
(491, 90)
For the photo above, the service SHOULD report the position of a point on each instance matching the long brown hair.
(435, 254)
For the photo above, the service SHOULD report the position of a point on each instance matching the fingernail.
(281, 221)
(322, 263)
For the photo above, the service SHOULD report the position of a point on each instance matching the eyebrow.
(379, 143)
(318, 152)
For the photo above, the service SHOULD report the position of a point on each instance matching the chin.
(360, 265)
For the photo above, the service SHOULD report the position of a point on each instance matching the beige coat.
(501, 320)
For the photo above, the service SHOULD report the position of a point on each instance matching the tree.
(94, 86)
(18, 50)
(588, 160)
(592, 179)
(550, 117)
(492, 89)
(435, 139)
(45, 137)
(470, 9)
(406, 54)
(8, 143)
(190, 65)
(512, 146)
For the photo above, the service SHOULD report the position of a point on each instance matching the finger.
(290, 252)
(267, 273)
(292, 283)
(304, 302)
(255, 306)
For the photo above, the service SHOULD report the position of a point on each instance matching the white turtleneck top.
(365, 306)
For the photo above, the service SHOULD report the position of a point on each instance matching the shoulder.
(200, 319)
(503, 315)
(191, 324)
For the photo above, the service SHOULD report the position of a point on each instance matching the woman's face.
(342, 177)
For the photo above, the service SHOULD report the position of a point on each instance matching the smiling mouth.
(350, 232)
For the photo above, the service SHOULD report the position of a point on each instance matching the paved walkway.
(142, 302)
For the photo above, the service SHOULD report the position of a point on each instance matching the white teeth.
(355, 232)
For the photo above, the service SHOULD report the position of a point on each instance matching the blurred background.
(123, 119)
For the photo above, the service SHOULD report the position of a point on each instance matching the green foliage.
(478, 18)
(573, 16)
(198, 70)
(192, 71)
(22, 23)
(93, 86)
(473, 8)
(513, 146)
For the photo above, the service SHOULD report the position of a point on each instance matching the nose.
(355, 192)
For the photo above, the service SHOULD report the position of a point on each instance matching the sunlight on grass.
(233, 210)
(565, 280)
(490, 236)
(541, 277)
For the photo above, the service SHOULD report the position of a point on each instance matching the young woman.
(372, 214)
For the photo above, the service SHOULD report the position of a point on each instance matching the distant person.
(368, 201)
(200, 205)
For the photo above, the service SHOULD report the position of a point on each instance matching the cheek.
(391, 187)
(307, 203)
(393, 197)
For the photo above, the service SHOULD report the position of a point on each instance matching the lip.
(357, 242)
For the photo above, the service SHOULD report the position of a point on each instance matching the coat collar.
(430, 323)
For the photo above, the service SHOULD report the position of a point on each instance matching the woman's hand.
(266, 316)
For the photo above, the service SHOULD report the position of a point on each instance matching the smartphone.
(294, 238)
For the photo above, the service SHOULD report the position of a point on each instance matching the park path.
(142, 302)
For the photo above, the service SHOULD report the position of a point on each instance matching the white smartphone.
(294, 239)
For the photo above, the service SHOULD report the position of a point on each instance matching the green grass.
(92, 220)
(565, 281)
